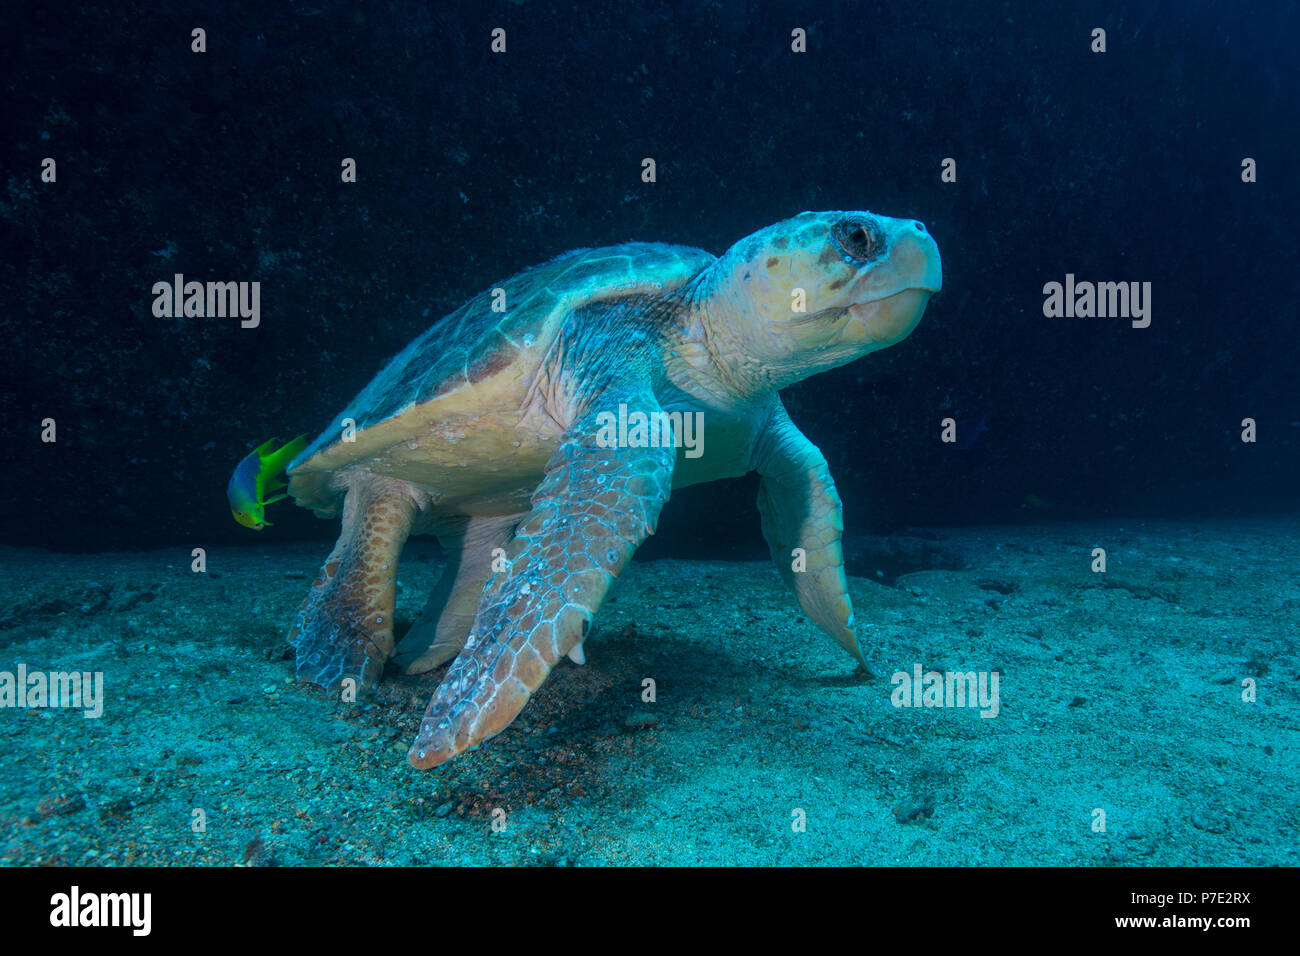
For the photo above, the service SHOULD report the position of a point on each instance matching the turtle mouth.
(887, 320)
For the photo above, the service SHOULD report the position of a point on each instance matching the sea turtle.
(538, 430)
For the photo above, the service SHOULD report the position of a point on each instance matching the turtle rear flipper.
(345, 627)
(592, 510)
(440, 632)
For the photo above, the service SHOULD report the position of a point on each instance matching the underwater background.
(1161, 691)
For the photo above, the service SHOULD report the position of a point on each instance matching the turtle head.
(820, 290)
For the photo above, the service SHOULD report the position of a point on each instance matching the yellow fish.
(256, 475)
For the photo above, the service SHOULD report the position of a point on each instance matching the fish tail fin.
(275, 462)
(264, 449)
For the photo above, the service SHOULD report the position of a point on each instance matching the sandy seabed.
(1147, 715)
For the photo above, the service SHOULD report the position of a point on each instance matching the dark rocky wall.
(225, 165)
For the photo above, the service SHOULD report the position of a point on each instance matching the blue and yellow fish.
(255, 476)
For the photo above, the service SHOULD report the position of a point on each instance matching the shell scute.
(456, 361)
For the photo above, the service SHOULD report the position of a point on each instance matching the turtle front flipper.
(591, 511)
(801, 509)
(345, 627)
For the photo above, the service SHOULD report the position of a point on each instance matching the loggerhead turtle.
(494, 431)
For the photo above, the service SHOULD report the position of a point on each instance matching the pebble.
(640, 721)
(915, 808)
(61, 805)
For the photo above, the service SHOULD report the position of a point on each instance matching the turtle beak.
(890, 296)
(915, 256)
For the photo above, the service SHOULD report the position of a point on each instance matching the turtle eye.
(858, 239)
